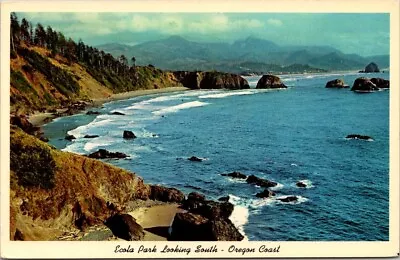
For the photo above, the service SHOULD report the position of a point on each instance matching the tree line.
(24, 33)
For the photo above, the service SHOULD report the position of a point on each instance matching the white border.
(25, 249)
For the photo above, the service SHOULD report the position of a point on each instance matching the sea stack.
(270, 81)
(372, 67)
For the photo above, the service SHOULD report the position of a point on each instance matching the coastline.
(40, 118)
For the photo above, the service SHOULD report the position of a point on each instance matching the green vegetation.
(33, 164)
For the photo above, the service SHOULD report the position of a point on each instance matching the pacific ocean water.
(281, 135)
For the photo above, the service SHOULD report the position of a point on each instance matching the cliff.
(52, 191)
(40, 80)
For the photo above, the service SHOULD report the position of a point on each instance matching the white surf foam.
(92, 145)
(227, 94)
(240, 215)
(300, 199)
(308, 183)
(174, 109)
(80, 131)
(278, 186)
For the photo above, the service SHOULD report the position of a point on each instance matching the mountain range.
(250, 55)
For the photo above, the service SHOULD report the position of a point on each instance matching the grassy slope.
(39, 81)
(58, 190)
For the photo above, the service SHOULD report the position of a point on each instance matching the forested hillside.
(50, 70)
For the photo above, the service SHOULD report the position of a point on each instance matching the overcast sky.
(364, 34)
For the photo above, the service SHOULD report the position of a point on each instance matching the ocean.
(280, 135)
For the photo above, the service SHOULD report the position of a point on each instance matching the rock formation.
(104, 154)
(252, 179)
(270, 81)
(265, 194)
(364, 85)
(372, 67)
(236, 175)
(124, 226)
(205, 221)
(128, 135)
(165, 194)
(211, 80)
(336, 83)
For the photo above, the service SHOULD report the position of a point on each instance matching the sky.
(360, 33)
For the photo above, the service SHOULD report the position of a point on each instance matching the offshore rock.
(103, 154)
(128, 135)
(252, 179)
(336, 83)
(270, 81)
(237, 175)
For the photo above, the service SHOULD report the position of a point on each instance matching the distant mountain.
(178, 53)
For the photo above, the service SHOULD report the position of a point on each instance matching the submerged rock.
(165, 194)
(336, 83)
(128, 135)
(117, 113)
(237, 175)
(357, 136)
(90, 112)
(195, 159)
(288, 199)
(103, 154)
(252, 179)
(265, 194)
(124, 226)
(270, 81)
(70, 137)
(90, 136)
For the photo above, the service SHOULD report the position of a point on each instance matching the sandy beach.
(39, 119)
(156, 220)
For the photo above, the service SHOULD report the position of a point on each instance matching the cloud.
(275, 22)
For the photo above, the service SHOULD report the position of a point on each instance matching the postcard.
(212, 129)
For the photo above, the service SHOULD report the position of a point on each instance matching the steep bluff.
(52, 191)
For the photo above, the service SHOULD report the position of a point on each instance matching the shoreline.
(39, 119)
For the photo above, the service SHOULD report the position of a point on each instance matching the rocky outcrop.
(211, 80)
(381, 83)
(124, 226)
(371, 68)
(357, 136)
(364, 85)
(104, 154)
(70, 137)
(301, 184)
(336, 83)
(236, 175)
(265, 194)
(205, 221)
(22, 122)
(165, 194)
(195, 159)
(270, 81)
(369, 85)
(252, 179)
(69, 190)
(128, 135)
